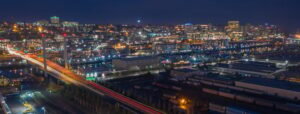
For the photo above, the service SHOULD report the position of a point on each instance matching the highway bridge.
(66, 75)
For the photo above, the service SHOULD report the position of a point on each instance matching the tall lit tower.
(54, 20)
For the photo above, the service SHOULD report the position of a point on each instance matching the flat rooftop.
(281, 84)
(186, 70)
(134, 58)
(263, 67)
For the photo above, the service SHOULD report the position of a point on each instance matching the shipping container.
(206, 82)
(235, 88)
(217, 108)
(169, 96)
(237, 110)
(234, 110)
(288, 108)
(161, 85)
(176, 88)
(220, 85)
(137, 87)
(227, 95)
(262, 102)
(244, 99)
(253, 91)
(210, 91)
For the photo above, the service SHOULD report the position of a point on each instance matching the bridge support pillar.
(66, 53)
(44, 56)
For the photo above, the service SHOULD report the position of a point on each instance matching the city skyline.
(278, 12)
(150, 57)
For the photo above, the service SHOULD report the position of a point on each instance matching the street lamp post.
(185, 104)
(44, 110)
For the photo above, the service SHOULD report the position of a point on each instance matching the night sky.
(285, 13)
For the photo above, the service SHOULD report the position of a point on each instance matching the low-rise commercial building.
(136, 63)
(250, 68)
(274, 87)
(181, 74)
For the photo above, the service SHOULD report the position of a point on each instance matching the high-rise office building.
(41, 22)
(233, 30)
(54, 20)
(188, 27)
(233, 25)
(70, 24)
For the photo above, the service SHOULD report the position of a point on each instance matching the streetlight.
(182, 101)
(44, 109)
(40, 29)
(185, 104)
